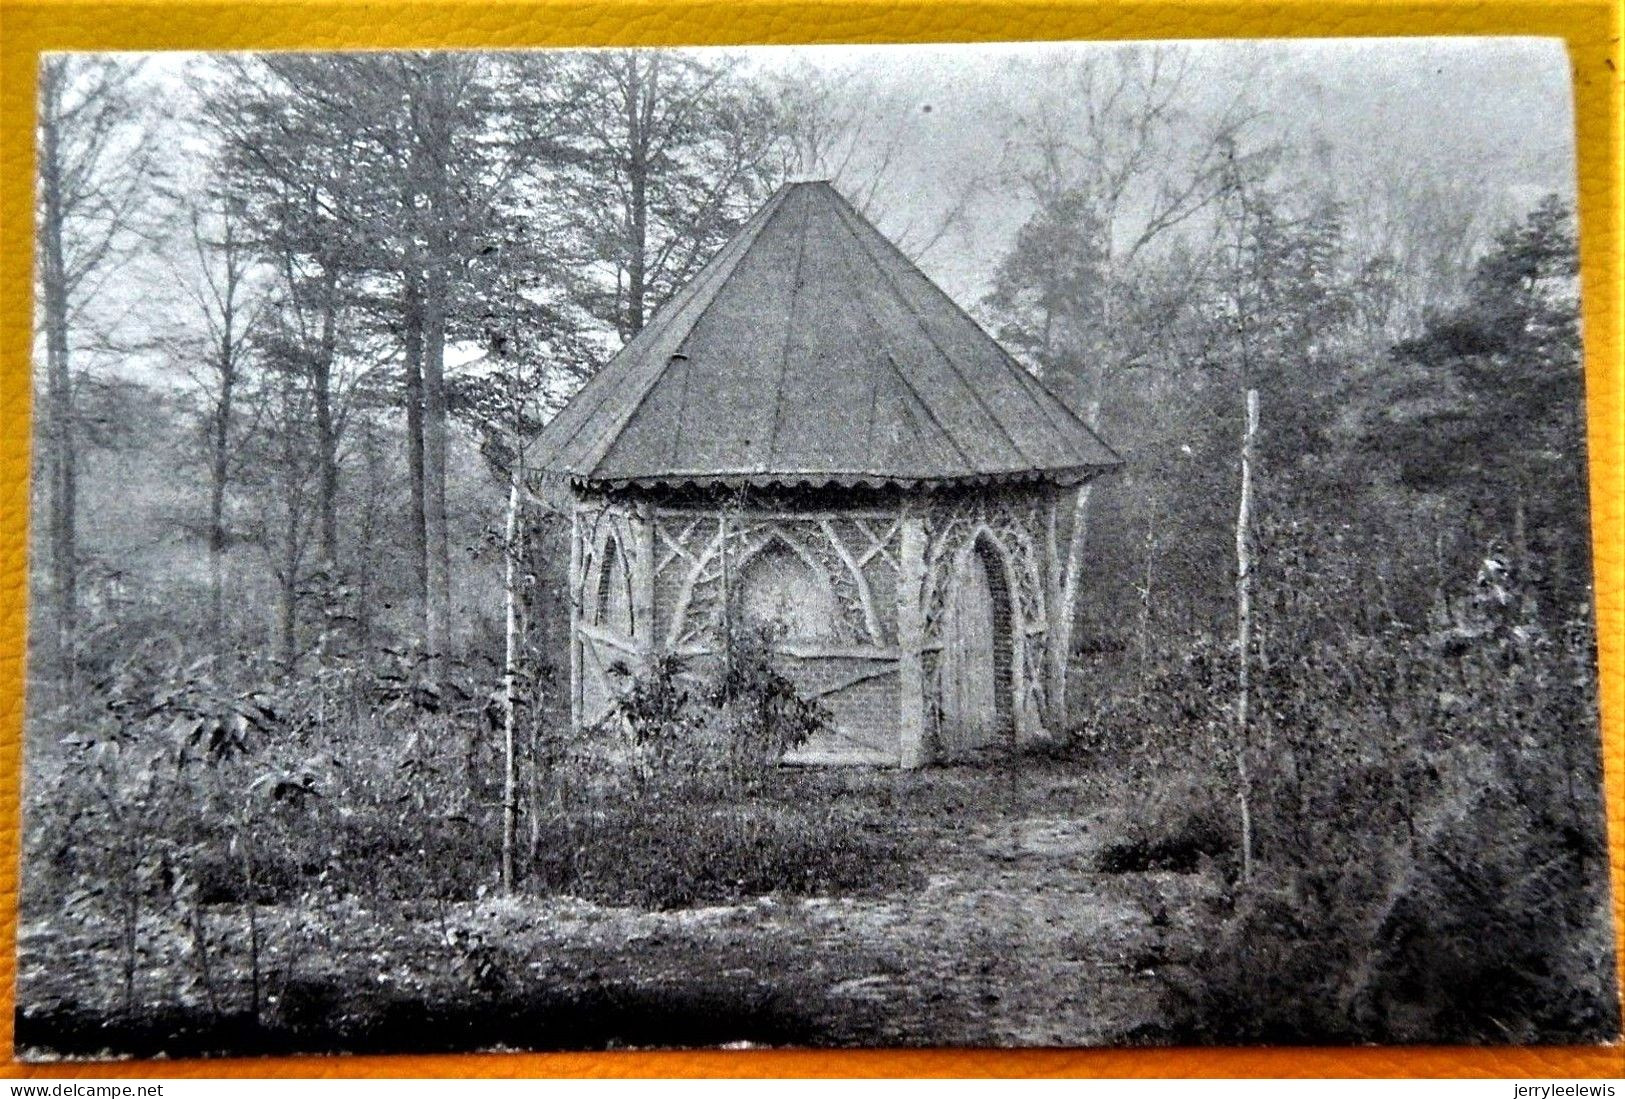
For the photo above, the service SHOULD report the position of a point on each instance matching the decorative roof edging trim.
(804, 481)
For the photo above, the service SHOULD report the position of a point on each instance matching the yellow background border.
(1589, 27)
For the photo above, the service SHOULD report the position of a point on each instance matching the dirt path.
(1015, 940)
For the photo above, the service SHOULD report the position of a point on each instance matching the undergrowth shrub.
(725, 725)
(1428, 828)
(176, 786)
(174, 789)
(1181, 824)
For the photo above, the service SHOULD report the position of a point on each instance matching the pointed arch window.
(614, 597)
(781, 590)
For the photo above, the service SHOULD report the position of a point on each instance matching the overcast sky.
(1495, 112)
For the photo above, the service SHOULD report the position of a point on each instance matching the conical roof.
(810, 351)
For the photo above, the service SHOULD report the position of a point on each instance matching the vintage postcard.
(1079, 544)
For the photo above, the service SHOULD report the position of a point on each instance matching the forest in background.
(288, 303)
(299, 314)
(249, 349)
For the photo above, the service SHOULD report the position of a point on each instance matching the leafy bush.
(1272, 975)
(757, 714)
(655, 712)
(173, 789)
(731, 721)
(702, 823)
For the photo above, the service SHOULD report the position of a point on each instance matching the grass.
(680, 855)
(798, 919)
(672, 848)
(952, 906)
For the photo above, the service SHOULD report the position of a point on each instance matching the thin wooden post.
(1151, 517)
(574, 596)
(912, 751)
(510, 659)
(642, 561)
(1063, 617)
(1244, 630)
(727, 639)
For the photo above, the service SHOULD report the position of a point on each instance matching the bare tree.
(450, 176)
(1425, 232)
(94, 166)
(1112, 168)
(283, 475)
(670, 154)
(435, 84)
(225, 308)
(366, 173)
(291, 162)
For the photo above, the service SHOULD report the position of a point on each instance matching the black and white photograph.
(1004, 545)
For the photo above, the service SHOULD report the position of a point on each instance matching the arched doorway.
(976, 679)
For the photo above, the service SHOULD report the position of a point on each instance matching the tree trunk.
(437, 618)
(1066, 610)
(412, 353)
(287, 644)
(1244, 631)
(219, 469)
(1090, 394)
(367, 540)
(1145, 591)
(433, 154)
(287, 640)
(60, 429)
(510, 661)
(292, 552)
(638, 184)
(326, 434)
